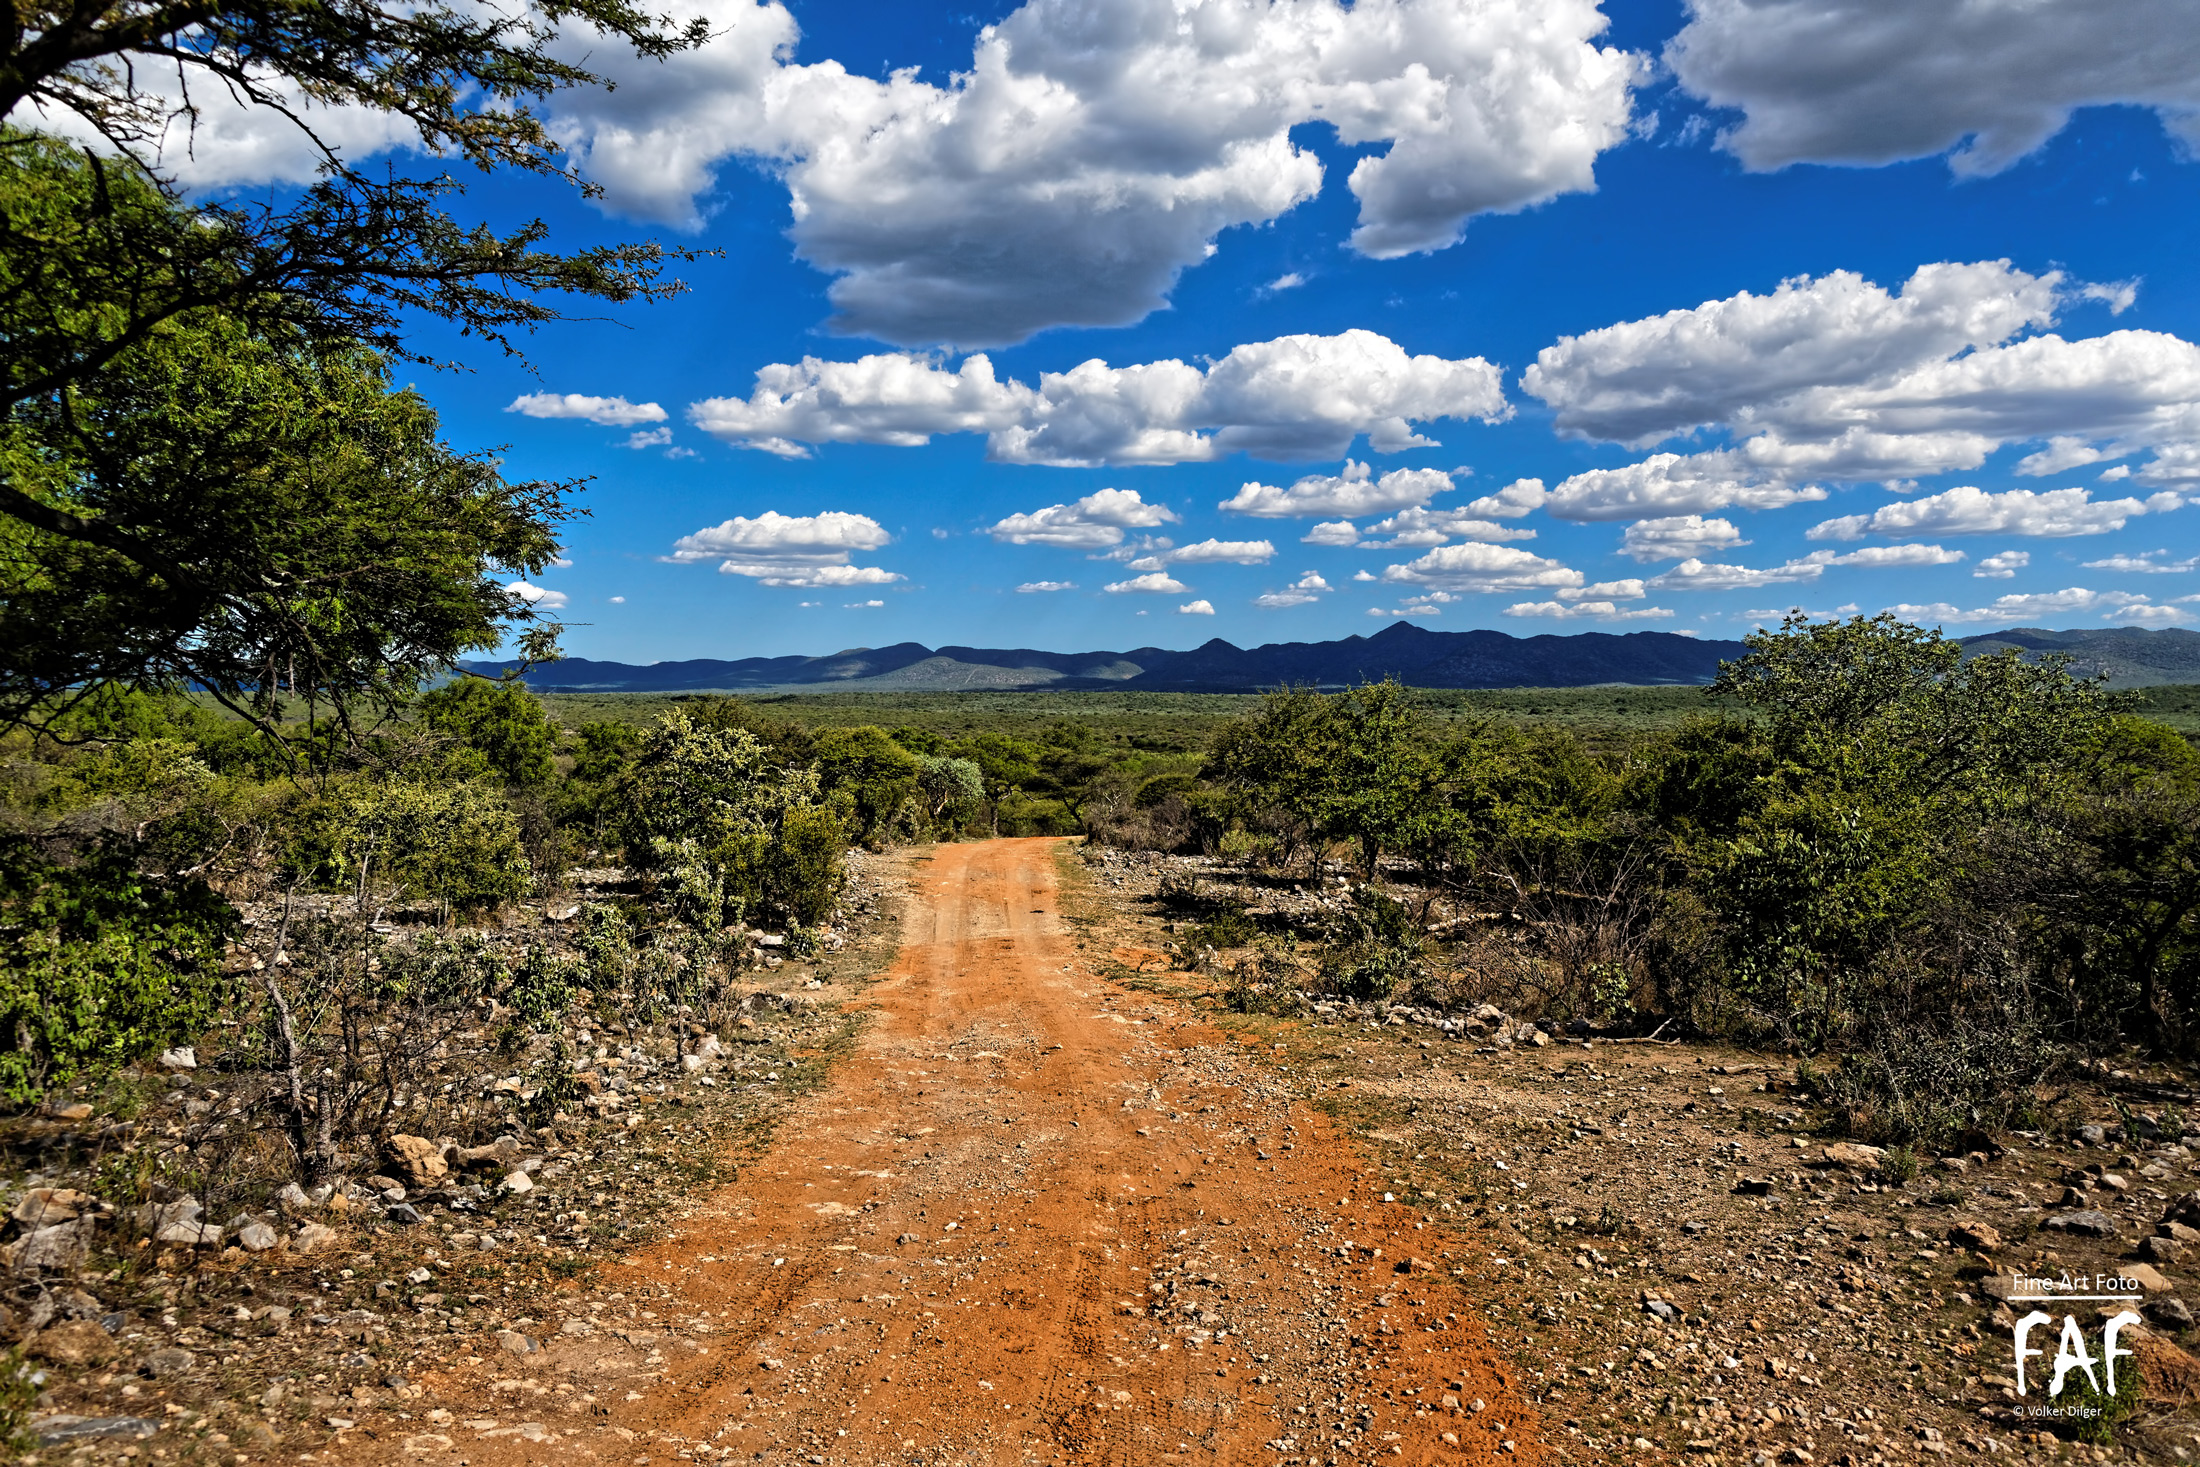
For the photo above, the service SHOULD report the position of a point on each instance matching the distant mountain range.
(2132, 656)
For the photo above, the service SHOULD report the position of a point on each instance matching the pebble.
(173, 1360)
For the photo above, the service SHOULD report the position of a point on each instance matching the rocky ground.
(1579, 1248)
(1685, 1261)
(153, 1329)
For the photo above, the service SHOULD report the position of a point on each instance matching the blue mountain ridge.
(1413, 654)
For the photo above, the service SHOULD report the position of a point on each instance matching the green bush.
(100, 966)
(807, 875)
(458, 845)
(502, 722)
(1915, 1083)
(874, 774)
(714, 796)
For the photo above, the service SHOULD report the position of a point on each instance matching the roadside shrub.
(100, 966)
(1265, 982)
(953, 790)
(18, 1399)
(1921, 1085)
(875, 775)
(807, 873)
(714, 796)
(458, 844)
(1380, 949)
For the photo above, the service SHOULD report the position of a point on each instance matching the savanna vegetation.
(246, 807)
(1937, 880)
(1862, 848)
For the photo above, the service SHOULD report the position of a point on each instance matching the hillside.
(2131, 656)
(1410, 653)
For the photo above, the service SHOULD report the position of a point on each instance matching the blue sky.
(1976, 398)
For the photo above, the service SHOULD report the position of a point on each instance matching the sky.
(1097, 324)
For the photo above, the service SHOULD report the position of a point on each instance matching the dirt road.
(1037, 1217)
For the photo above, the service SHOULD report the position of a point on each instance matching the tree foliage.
(502, 722)
(100, 965)
(251, 511)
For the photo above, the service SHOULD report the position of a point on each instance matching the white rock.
(182, 1057)
(258, 1238)
(191, 1235)
(313, 1237)
(519, 1182)
(61, 1248)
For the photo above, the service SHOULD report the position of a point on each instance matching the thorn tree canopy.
(205, 476)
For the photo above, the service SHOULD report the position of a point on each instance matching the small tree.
(717, 794)
(875, 775)
(501, 721)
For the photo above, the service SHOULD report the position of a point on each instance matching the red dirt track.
(1062, 1156)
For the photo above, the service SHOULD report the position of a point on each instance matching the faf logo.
(2071, 1354)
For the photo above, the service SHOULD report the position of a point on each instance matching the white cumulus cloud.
(1876, 81)
(1679, 537)
(2147, 562)
(809, 551)
(1837, 377)
(1520, 497)
(1586, 611)
(1306, 590)
(1031, 587)
(1086, 156)
(1355, 491)
(1886, 555)
(1196, 608)
(1208, 552)
(1629, 590)
(1155, 582)
(537, 597)
(2003, 565)
(1295, 397)
(1968, 510)
(608, 412)
(1416, 527)
(2017, 609)
(1698, 575)
(1092, 523)
(1668, 484)
(1480, 567)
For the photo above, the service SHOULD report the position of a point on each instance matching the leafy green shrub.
(100, 966)
(456, 844)
(18, 1398)
(606, 944)
(1378, 950)
(953, 790)
(714, 796)
(1257, 852)
(874, 774)
(807, 874)
(1266, 982)
(1225, 926)
(2094, 1414)
(500, 721)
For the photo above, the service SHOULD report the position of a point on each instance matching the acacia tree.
(110, 281)
(249, 509)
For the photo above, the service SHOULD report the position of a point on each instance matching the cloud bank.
(790, 550)
(1879, 81)
(1088, 155)
(1296, 397)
